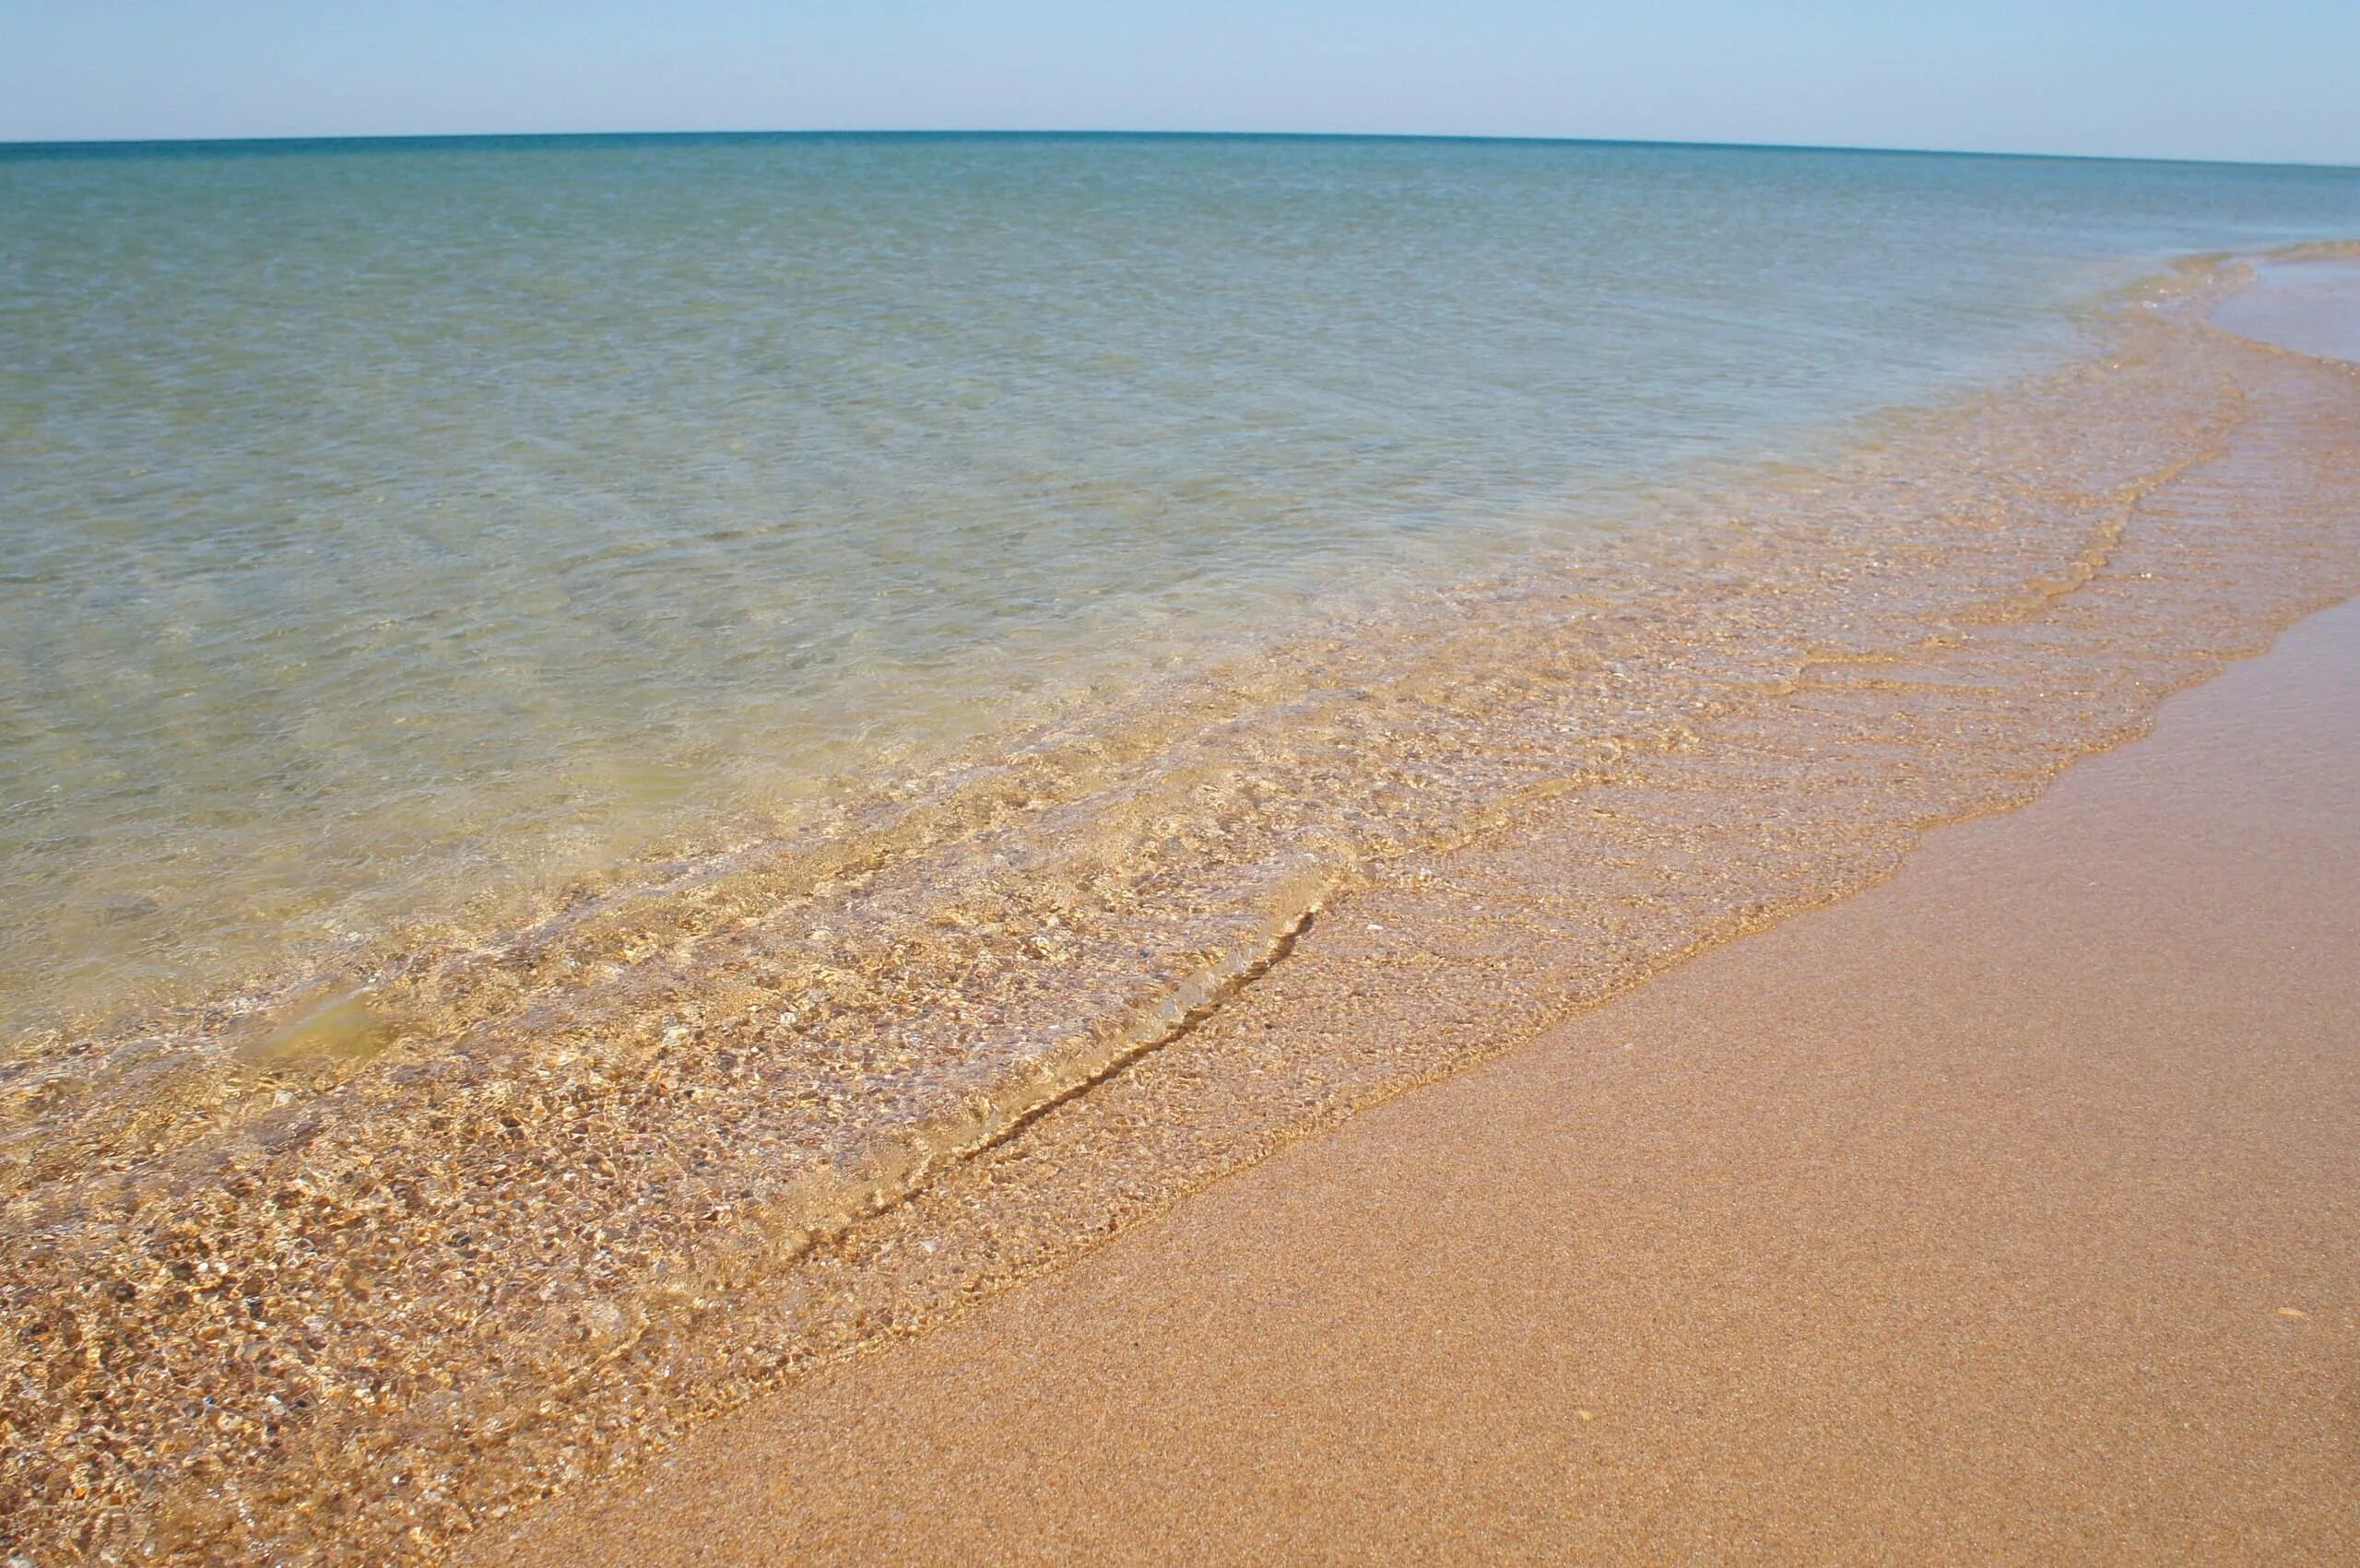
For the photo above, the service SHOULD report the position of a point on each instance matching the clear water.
(388, 530)
(2300, 305)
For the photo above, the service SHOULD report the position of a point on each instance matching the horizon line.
(58, 146)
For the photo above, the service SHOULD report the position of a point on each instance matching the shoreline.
(2002, 1209)
(2030, 979)
(539, 1255)
(344, 883)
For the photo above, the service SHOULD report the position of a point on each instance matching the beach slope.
(2004, 1212)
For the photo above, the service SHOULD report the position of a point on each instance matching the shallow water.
(2310, 306)
(628, 782)
(401, 537)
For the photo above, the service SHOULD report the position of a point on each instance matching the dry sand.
(2008, 1211)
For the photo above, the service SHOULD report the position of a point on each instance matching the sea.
(392, 532)
(630, 764)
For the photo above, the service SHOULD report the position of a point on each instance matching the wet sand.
(2007, 1212)
(2302, 305)
(346, 1312)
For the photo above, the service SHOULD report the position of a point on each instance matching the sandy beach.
(2003, 1212)
(1471, 783)
(1719, 1029)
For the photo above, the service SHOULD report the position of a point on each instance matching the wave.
(496, 1208)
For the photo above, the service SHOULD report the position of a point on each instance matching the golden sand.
(591, 1186)
(2008, 1213)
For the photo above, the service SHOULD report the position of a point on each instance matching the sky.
(2270, 80)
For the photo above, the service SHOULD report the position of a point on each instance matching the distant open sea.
(392, 531)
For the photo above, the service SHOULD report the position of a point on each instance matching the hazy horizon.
(1085, 132)
(2076, 78)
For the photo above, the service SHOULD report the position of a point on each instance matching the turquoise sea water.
(390, 529)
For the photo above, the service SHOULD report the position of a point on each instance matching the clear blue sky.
(2270, 79)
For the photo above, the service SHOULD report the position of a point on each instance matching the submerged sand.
(2003, 1212)
(2007, 1212)
(608, 1181)
(2306, 305)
